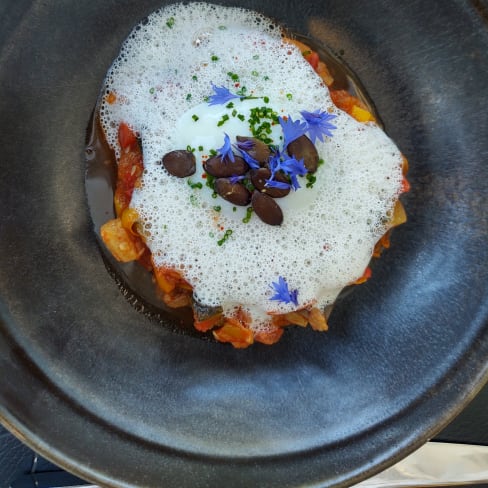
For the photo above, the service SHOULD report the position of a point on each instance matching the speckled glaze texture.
(115, 397)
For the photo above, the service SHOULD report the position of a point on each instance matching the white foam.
(328, 233)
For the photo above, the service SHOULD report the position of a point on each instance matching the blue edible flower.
(290, 166)
(225, 152)
(246, 145)
(318, 124)
(221, 95)
(245, 155)
(283, 293)
(235, 179)
(293, 168)
(269, 183)
(291, 129)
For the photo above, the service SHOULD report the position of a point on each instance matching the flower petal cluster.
(221, 95)
(243, 147)
(292, 129)
(225, 152)
(290, 166)
(283, 293)
(236, 178)
(318, 124)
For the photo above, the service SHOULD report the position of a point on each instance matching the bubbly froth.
(161, 80)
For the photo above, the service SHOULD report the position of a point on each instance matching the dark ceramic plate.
(109, 394)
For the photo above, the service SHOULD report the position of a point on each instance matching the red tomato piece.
(127, 138)
(313, 59)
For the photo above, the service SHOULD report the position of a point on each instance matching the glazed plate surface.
(114, 396)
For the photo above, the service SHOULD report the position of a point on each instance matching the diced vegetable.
(361, 115)
(399, 215)
(234, 332)
(269, 337)
(127, 138)
(124, 246)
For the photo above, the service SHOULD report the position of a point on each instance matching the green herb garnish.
(226, 235)
(223, 120)
(247, 218)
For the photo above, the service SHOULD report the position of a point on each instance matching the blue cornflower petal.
(294, 182)
(276, 184)
(247, 158)
(291, 129)
(225, 152)
(318, 124)
(274, 163)
(221, 95)
(246, 145)
(283, 293)
(293, 168)
(236, 179)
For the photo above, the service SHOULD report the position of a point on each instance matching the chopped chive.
(214, 58)
(151, 91)
(234, 113)
(320, 162)
(195, 117)
(266, 78)
(217, 208)
(213, 152)
(170, 22)
(241, 117)
(222, 27)
(226, 235)
(306, 53)
(233, 76)
(190, 149)
(289, 96)
(200, 148)
(311, 179)
(210, 181)
(194, 77)
(254, 73)
(247, 218)
(230, 105)
(223, 120)
(256, 56)
(194, 186)
(188, 96)
(266, 99)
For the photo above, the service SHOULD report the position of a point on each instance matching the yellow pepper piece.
(362, 115)
(123, 246)
(129, 218)
(399, 215)
(234, 332)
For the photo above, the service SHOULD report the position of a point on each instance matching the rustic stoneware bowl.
(118, 398)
